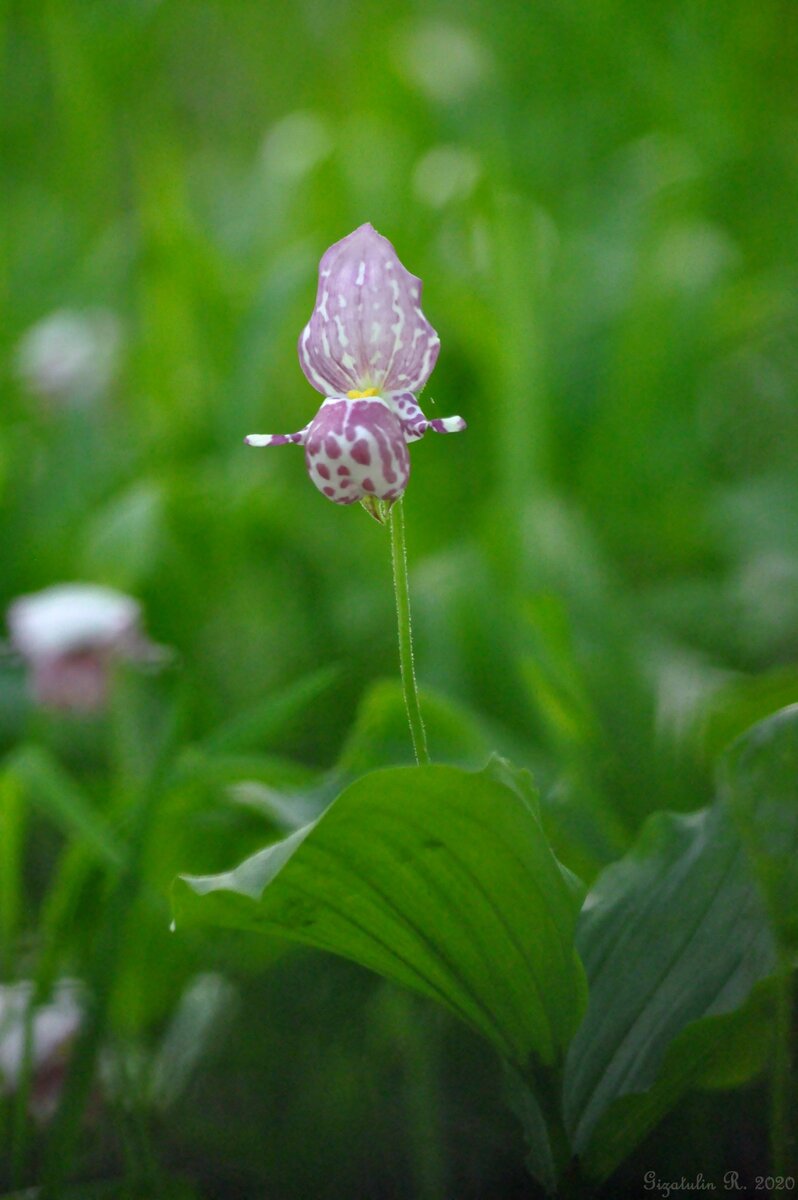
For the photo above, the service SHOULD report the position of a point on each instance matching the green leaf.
(674, 938)
(379, 735)
(745, 700)
(520, 1098)
(437, 878)
(759, 781)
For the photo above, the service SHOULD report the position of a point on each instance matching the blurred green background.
(602, 201)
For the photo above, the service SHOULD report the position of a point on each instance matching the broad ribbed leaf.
(439, 879)
(674, 938)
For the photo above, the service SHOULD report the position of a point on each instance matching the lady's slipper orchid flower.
(368, 348)
(69, 636)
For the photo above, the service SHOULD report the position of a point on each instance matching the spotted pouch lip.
(356, 448)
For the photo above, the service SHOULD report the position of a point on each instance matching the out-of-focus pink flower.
(369, 349)
(70, 635)
(53, 1027)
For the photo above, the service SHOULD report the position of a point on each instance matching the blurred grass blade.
(13, 818)
(261, 725)
(58, 796)
(196, 766)
(674, 938)
(439, 879)
(287, 812)
(111, 945)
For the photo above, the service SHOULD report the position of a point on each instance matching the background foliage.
(602, 202)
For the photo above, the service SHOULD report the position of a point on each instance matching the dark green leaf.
(439, 879)
(760, 783)
(522, 1101)
(673, 934)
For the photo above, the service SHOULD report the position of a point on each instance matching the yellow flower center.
(363, 395)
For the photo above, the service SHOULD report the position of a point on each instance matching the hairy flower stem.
(402, 593)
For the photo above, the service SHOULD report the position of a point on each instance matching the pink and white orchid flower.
(369, 349)
(69, 636)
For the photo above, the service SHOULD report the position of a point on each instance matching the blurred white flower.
(70, 635)
(766, 590)
(686, 684)
(295, 145)
(200, 1021)
(693, 256)
(70, 355)
(444, 174)
(53, 1028)
(443, 60)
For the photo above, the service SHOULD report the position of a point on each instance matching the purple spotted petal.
(356, 448)
(367, 329)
